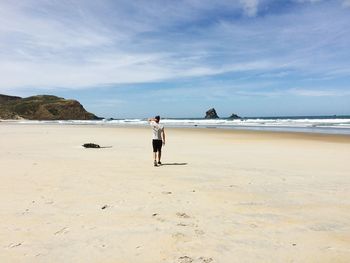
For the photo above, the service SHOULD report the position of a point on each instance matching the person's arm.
(163, 135)
(151, 119)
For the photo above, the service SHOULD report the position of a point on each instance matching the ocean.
(309, 124)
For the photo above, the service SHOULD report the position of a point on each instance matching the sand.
(221, 196)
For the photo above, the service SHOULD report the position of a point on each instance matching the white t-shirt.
(156, 130)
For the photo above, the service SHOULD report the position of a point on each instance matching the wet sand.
(221, 196)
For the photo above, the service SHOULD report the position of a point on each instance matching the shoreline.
(142, 123)
(283, 134)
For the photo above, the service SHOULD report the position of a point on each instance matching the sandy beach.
(220, 196)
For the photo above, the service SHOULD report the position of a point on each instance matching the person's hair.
(157, 117)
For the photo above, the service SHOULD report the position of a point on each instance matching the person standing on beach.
(158, 139)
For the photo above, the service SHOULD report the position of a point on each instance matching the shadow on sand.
(174, 164)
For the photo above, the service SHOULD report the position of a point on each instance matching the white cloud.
(307, 92)
(308, 1)
(346, 3)
(250, 7)
(80, 44)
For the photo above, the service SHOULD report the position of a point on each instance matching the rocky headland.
(42, 107)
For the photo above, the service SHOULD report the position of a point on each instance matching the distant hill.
(5, 98)
(42, 107)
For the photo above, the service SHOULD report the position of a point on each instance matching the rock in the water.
(91, 145)
(234, 116)
(211, 114)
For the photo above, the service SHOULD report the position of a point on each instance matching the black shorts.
(157, 145)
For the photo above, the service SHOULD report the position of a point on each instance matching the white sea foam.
(317, 125)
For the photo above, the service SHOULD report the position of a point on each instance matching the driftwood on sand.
(94, 145)
(91, 145)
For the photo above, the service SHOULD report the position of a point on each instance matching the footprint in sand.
(182, 215)
(63, 230)
(199, 232)
(155, 215)
(178, 236)
(205, 260)
(15, 245)
(25, 212)
(186, 259)
(187, 224)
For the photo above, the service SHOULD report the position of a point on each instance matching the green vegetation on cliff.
(42, 107)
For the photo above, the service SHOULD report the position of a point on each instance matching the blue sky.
(179, 58)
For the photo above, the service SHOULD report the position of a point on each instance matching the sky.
(135, 59)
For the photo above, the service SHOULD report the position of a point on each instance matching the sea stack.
(211, 114)
(234, 116)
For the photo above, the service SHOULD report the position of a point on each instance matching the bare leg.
(159, 156)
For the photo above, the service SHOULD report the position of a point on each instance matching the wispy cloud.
(83, 44)
(318, 92)
(346, 3)
(250, 7)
